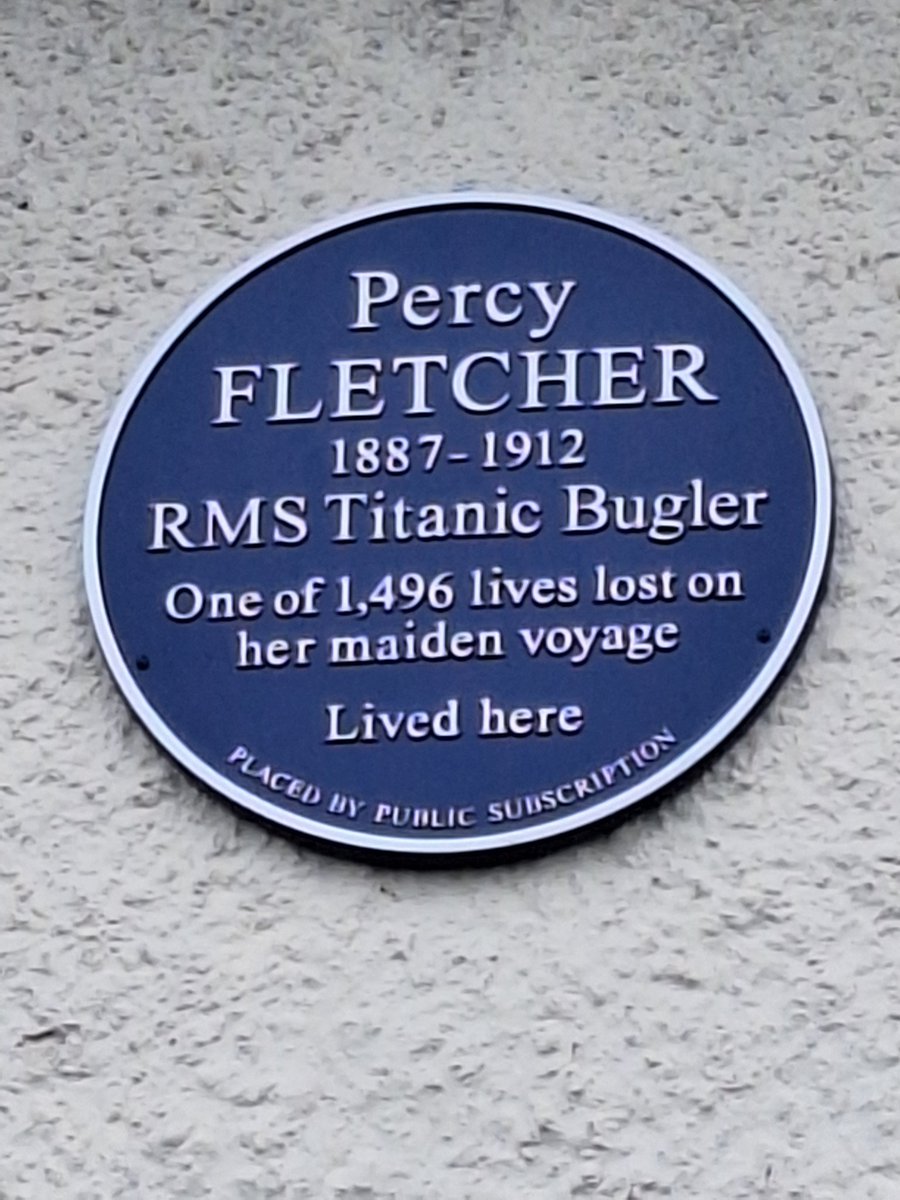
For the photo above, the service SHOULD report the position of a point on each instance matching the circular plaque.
(456, 524)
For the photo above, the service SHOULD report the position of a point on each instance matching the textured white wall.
(704, 1004)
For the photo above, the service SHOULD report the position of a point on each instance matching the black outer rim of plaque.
(521, 841)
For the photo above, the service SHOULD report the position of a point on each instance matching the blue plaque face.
(457, 524)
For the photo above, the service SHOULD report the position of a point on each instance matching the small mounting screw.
(764, 636)
(143, 663)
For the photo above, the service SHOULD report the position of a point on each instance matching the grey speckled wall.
(704, 1004)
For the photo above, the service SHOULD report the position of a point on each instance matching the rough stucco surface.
(705, 1003)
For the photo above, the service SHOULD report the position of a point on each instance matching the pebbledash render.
(699, 1002)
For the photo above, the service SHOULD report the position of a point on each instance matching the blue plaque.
(457, 524)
